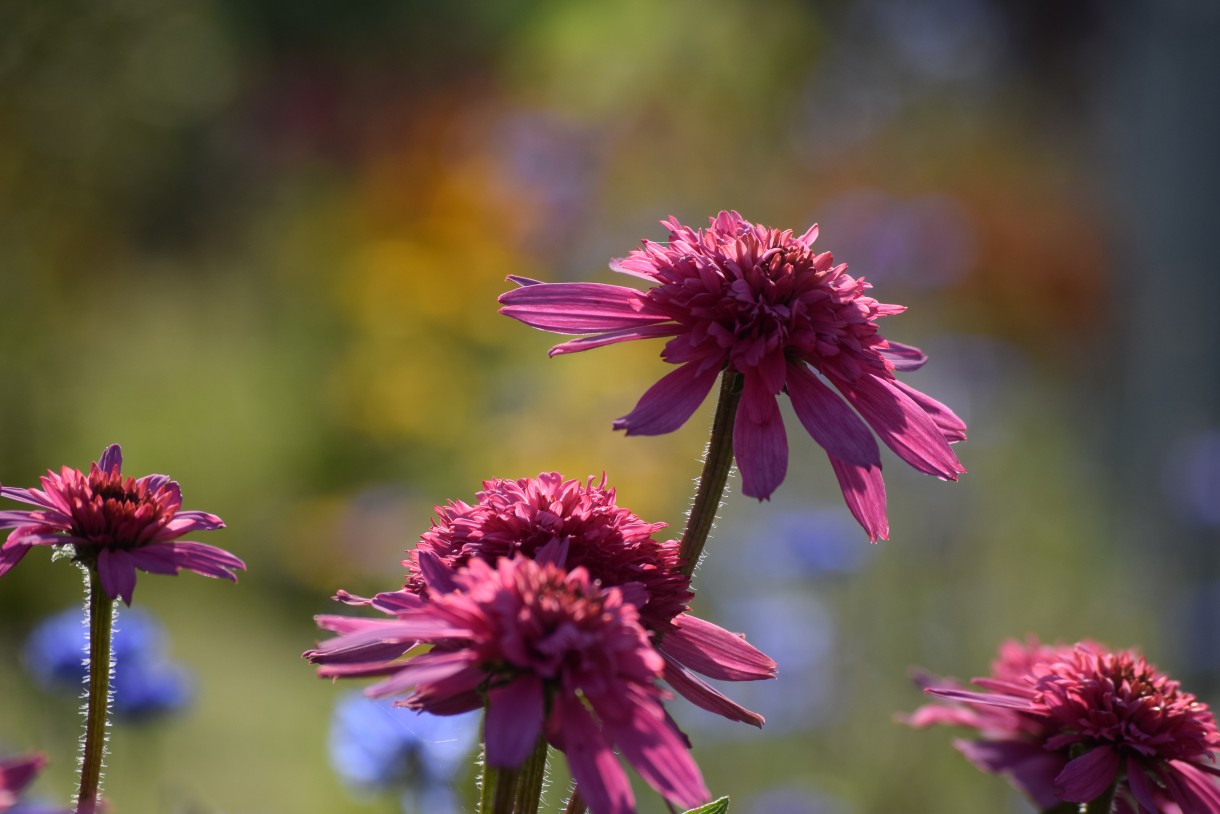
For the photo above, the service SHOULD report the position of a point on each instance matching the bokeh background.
(259, 243)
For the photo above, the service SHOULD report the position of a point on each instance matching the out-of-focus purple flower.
(376, 746)
(552, 654)
(16, 773)
(796, 801)
(1065, 724)
(114, 524)
(759, 302)
(145, 684)
(578, 524)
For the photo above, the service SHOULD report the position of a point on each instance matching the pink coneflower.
(578, 525)
(760, 302)
(550, 652)
(114, 524)
(1068, 724)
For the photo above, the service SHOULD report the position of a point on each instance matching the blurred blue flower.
(146, 684)
(377, 747)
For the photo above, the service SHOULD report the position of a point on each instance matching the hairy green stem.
(101, 625)
(716, 466)
(532, 773)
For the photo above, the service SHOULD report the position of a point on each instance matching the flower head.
(760, 302)
(146, 684)
(579, 525)
(1065, 724)
(551, 652)
(114, 524)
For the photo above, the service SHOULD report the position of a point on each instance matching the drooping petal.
(189, 522)
(204, 559)
(760, 443)
(601, 781)
(651, 745)
(1031, 767)
(1141, 789)
(715, 652)
(670, 402)
(613, 337)
(117, 573)
(827, 418)
(864, 493)
(902, 425)
(704, 696)
(33, 496)
(578, 308)
(431, 668)
(514, 719)
(1196, 791)
(1086, 777)
(904, 357)
(953, 427)
(11, 554)
(437, 576)
(986, 699)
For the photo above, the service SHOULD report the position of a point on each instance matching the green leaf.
(720, 806)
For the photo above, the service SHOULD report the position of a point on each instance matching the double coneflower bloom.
(114, 524)
(760, 302)
(559, 610)
(1075, 723)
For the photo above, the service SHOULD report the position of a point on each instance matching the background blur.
(259, 244)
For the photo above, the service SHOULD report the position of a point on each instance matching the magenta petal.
(1029, 766)
(395, 602)
(902, 425)
(864, 493)
(1141, 789)
(155, 559)
(11, 554)
(715, 652)
(578, 308)
(954, 428)
(1085, 778)
(760, 443)
(437, 576)
(203, 559)
(980, 698)
(828, 419)
(600, 779)
(117, 574)
(650, 743)
(904, 357)
(1195, 789)
(670, 402)
(430, 668)
(112, 459)
(704, 696)
(514, 719)
(613, 337)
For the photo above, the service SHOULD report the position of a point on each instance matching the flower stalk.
(716, 465)
(101, 626)
(529, 783)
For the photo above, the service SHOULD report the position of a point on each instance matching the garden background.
(259, 244)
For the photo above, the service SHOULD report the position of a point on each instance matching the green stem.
(575, 804)
(716, 466)
(532, 773)
(101, 625)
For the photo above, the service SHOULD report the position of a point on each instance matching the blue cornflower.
(377, 747)
(145, 684)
